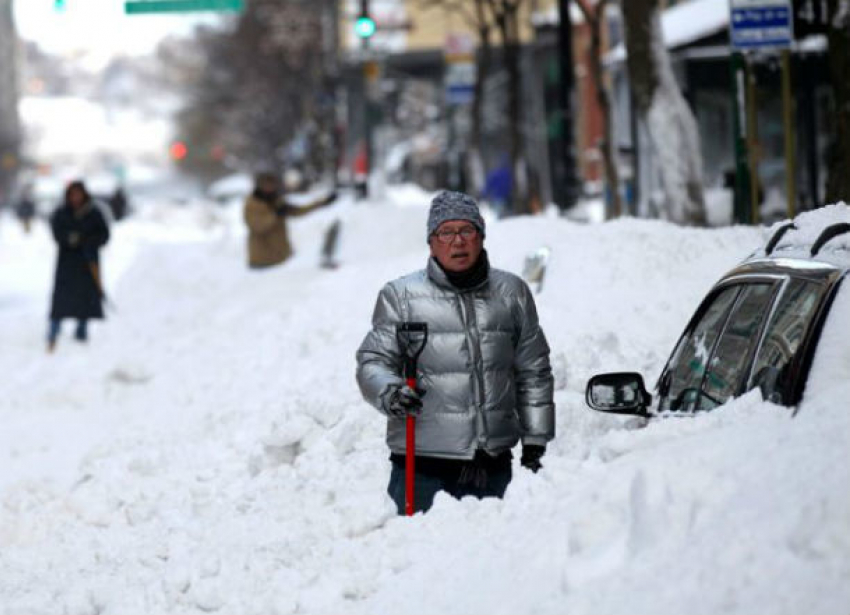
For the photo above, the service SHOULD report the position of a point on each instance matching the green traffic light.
(60, 5)
(364, 27)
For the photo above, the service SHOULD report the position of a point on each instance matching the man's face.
(456, 245)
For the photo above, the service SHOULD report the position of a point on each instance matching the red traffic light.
(178, 150)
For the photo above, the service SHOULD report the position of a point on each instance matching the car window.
(729, 365)
(681, 381)
(777, 356)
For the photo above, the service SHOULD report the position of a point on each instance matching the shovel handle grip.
(410, 459)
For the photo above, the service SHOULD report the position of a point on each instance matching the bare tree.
(662, 108)
(838, 179)
(595, 18)
(505, 14)
(262, 82)
(477, 18)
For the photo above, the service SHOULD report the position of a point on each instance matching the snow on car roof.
(797, 240)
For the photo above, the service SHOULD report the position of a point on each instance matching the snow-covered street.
(209, 451)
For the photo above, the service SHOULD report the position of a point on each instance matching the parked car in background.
(777, 322)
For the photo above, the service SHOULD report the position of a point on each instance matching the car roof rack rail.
(777, 236)
(829, 233)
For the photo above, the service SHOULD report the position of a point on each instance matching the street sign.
(761, 24)
(460, 83)
(140, 7)
(459, 79)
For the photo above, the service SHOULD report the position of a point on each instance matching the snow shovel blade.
(412, 337)
(412, 328)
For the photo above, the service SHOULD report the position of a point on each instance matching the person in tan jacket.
(265, 212)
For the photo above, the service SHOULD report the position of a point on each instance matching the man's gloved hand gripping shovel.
(412, 337)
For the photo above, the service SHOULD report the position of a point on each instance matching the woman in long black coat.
(80, 230)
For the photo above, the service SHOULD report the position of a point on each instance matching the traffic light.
(178, 150)
(364, 27)
(60, 5)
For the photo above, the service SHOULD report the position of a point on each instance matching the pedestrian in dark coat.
(80, 230)
(25, 210)
(118, 204)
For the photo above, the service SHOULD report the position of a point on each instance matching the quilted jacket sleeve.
(378, 358)
(534, 380)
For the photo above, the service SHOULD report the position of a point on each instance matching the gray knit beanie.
(453, 206)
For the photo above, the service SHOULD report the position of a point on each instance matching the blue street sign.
(766, 24)
(460, 94)
(459, 81)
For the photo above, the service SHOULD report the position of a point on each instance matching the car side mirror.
(619, 393)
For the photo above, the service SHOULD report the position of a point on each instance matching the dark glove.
(403, 400)
(331, 198)
(531, 455)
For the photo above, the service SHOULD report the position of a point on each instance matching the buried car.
(761, 326)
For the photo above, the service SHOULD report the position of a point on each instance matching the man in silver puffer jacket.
(484, 381)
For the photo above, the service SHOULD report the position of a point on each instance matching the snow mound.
(209, 451)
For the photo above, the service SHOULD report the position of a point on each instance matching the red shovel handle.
(410, 458)
(412, 337)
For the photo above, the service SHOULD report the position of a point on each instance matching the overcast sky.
(98, 27)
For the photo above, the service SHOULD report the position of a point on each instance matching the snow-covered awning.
(685, 23)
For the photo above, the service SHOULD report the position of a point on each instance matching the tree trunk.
(515, 129)
(669, 121)
(838, 178)
(507, 20)
(475, 164)
(596, 19)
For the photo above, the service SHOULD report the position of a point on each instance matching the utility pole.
(10, 126)
(566, 191)
(331, 87)
(743, 197)
(364, 28)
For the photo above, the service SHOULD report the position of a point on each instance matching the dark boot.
(82, 332)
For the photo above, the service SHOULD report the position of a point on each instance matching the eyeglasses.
(448, 236)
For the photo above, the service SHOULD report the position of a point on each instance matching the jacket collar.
(438, 275)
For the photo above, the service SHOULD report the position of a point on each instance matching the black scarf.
(472, 277)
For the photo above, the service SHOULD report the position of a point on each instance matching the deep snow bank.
(209, 450)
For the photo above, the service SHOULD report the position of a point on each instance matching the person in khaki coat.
(265, 212)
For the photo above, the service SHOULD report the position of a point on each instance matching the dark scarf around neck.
(472, 277)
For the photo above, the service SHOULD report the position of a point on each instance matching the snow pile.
(93, 130)
(209, 451)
